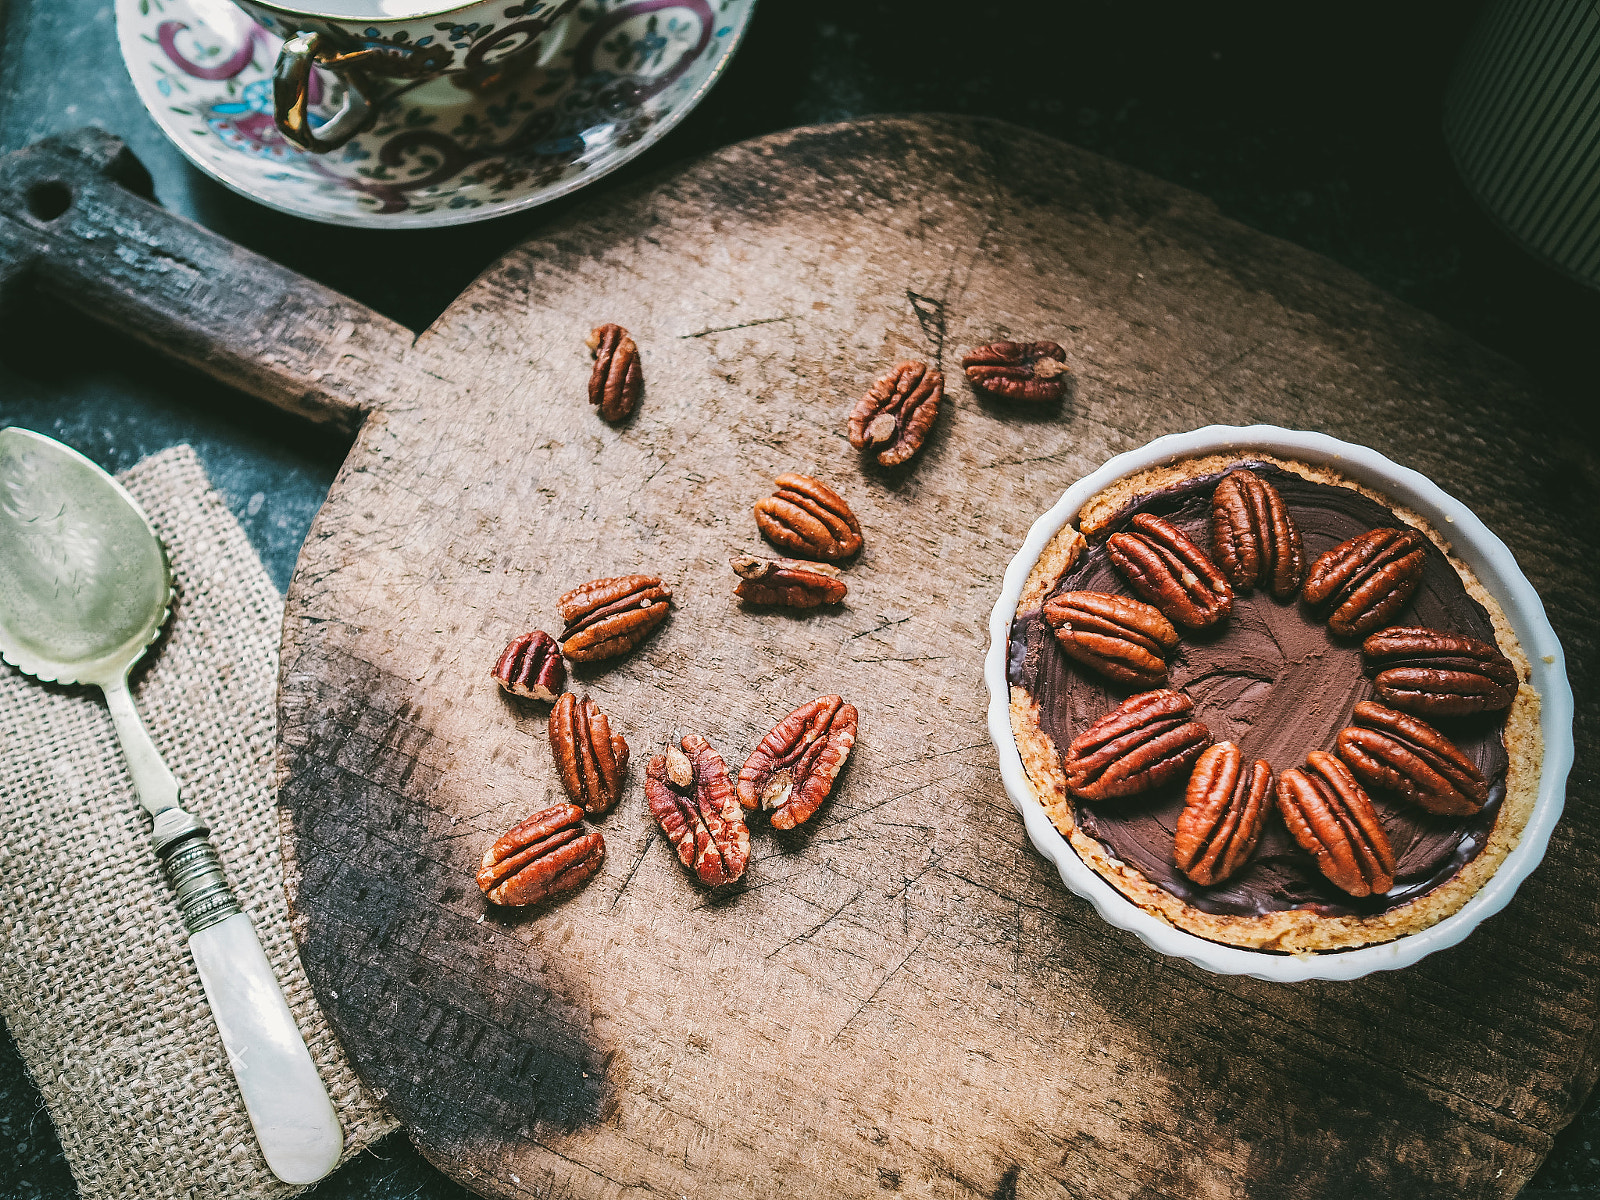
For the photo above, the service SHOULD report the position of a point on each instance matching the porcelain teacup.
(378, 47)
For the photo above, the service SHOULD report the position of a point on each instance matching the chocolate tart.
(1274, 679)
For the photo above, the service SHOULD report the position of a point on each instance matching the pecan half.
(1334, 822)
(1019, 370)
(1125, 640)
(1145, 741)
(616, 381)
(807, 518)
(1406, 755)
(786, 583)
(1160, 563)
(1440, 674)
(590, 759)
(692, 799)
(608, 617)
(792, 770)
(1255, 539)
(544, 856)
(897, 412)
(1366, 580)
(531, 666)
(1223, 810)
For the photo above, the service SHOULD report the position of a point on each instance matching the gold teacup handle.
(291, 85)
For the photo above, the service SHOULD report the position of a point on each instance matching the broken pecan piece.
(790, 773)
(531, 666)
(616, 381)
(1334, 822)
(1034, 371)
(786, 583)
(1255, 539)
(807, 518)
(1143, 743)
(692, 799)
(1160, 563)
(544, 856)
(608, 617)
(1224, 809)
(897, 412)
(1125, 640)
(1406, 755)
(1440, 674)
(1366, 580)
(590, 759)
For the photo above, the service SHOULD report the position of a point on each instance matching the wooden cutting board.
(901, 997)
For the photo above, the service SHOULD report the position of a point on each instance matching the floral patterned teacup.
(380, 46)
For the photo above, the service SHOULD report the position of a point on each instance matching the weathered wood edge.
(75, 222)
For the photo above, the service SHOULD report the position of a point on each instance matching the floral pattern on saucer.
(600, 85)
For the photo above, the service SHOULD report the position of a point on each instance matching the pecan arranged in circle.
(786, 583)
(608, 617)
(1224, 809)
(1143, 743)
(531, 666)
(1406, 755)
(692, 799)
(792, 771)
(898, 412)
(1125, 640)
(807, 518)
(1034, 371)
(1363, 582)
(1160, 563)
(590, 759)
(546, 855)
(1334, 822)
(1441, 674)
(1255, 539)
(616, 381)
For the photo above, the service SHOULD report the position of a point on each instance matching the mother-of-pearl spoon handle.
(288, 1105)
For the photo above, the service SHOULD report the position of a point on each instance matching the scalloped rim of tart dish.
(1294, 930)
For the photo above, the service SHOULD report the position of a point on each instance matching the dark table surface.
(1320, 126)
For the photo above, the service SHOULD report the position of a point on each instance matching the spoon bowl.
(85, 586)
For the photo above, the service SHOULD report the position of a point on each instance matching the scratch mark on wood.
(930, 315)
(882, 983)
(800, 937)
(885, 623)
(643, 850)
(727, 328)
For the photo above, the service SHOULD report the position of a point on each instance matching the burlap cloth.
(96, 983)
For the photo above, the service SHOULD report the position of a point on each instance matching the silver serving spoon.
(84, 589)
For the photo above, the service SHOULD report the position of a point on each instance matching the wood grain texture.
(69, 226)
(901, 997)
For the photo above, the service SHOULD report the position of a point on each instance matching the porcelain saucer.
(602, 85)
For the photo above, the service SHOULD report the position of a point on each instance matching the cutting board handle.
(77, 221)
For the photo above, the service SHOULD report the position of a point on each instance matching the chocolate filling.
(1272, 678)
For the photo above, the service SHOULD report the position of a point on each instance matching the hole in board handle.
(49, 200)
